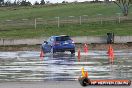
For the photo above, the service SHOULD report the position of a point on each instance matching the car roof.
(59, 36)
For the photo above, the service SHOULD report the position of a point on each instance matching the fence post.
(80, 20)
(35, 23)
(101, 21)
(58, 21)
(119, 17)
(84, 18)
(71, 18)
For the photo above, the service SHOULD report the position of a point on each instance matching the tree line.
(6, 3)
(42, 2)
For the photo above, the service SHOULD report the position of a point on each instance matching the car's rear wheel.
(43, 50)
(52, 50)
(72, 51)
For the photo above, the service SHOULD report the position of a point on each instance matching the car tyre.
(43, 50)
(52, 50)
(72, 51)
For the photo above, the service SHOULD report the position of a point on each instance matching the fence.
(58, 21)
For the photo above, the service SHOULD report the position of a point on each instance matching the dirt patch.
(90, 47)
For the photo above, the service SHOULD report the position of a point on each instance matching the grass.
(47, 12)
(59, 10)
(92, 29)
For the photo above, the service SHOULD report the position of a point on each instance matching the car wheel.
(43, 50)
(72, 51)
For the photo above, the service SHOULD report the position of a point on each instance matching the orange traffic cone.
(86, 74)
(79, 55)
(85, 48)
(109, 48)
(111, 55)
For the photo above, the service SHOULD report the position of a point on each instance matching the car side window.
(49, 40)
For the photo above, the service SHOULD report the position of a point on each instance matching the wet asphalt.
(27, 66)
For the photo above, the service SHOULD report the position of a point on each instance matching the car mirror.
(45, 42)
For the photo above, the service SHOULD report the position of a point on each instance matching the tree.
(25, 3)
(64, 2)
(1, 2)
(107, 1)
(124, 5)
(8, 3)
(75, 1)
(15, 3)
(42, 2)
(47, 2)
(96, 0)
(18, 2)
(36, 3)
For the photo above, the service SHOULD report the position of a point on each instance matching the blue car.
(59, 44)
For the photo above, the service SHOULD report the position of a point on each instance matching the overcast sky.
(54, 1)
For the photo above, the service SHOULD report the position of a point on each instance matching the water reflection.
(28, 66)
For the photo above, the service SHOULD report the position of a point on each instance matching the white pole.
(119, 19)
(71, 17)
(58, 22)
(101, 21)
(85, 19)
(35, 23)
(80, 20)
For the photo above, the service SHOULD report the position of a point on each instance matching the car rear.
(63, 43)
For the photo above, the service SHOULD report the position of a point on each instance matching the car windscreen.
(63, 38)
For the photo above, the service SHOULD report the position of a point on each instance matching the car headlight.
(73, 42)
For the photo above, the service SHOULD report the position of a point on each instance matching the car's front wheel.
(72, 51)
(52, 50)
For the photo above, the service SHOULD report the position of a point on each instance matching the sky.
(54, 1)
